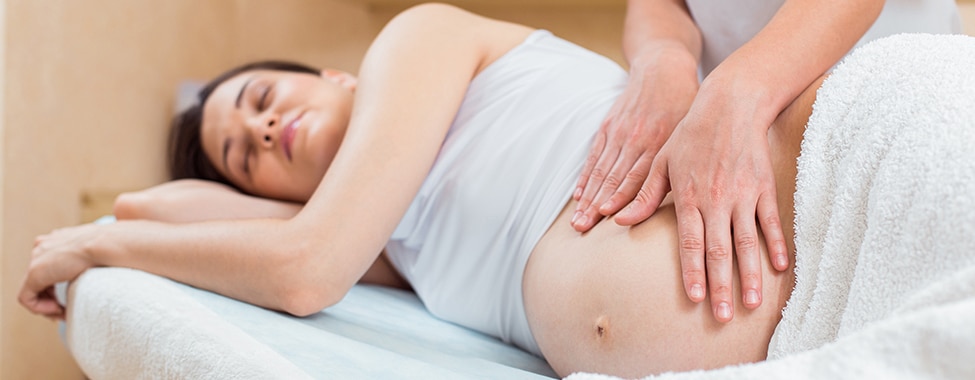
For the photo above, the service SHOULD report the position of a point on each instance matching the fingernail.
(575, 216)
(782, 262)
(751, 297)
(724, 310)
(697, 291)
(626, 210)
(584, 220)
(577, 194)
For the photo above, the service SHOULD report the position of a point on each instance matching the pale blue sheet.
(378, 333)
(131, 318)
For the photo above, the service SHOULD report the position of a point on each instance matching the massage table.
(128, 324)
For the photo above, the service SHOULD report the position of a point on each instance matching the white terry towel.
(175, 339)
(885, 222)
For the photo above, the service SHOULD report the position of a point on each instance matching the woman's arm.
(413, 80)
(193, 200)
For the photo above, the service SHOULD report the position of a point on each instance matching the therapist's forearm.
(801, 42)
(659, 27)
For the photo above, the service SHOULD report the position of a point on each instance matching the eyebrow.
(241, 93)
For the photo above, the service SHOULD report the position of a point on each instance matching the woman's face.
(274, 133)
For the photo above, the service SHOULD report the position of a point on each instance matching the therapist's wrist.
(663, 55)
(754, 99)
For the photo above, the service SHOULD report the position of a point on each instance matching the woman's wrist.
(105, 246)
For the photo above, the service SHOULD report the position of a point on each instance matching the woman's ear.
(343, 78)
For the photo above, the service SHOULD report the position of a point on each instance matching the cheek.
(291, 183)
(271, 180)
(321, 144)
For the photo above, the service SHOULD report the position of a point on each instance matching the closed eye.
(248, 153)
(262, 103)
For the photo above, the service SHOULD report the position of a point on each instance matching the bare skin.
(193, 200)
(703, 144)
(611, 300)
(587, 295)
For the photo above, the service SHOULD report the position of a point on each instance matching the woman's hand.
(58, 256)
(718, 165)
(656, 97)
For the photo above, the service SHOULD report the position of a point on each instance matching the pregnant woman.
(447, 167)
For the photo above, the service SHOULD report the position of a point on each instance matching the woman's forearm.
(216, 259)
(239, 259)
(801, 42)
(191, 200)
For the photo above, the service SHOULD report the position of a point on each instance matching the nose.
(264, 130)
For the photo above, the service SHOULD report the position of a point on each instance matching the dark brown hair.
(186, 158)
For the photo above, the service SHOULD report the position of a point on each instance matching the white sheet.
(127, 324)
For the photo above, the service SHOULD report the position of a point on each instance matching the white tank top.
(505, 171)
(726, 25)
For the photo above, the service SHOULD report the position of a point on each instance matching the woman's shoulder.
(434, 15)
(438, 21)
(426, 12)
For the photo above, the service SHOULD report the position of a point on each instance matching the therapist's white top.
(505, 171)
(727, 24)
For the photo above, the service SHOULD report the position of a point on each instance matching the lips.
(288, 135)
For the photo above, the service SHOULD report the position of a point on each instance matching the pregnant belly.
(611, 301)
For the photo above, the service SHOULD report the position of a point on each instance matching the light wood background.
(88, 88)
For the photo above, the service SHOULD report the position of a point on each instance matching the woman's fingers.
(36, 297)
(56, 257)
(47, 307)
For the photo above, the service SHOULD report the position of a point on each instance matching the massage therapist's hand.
(58, 256)
(658, 94)
(717, 163)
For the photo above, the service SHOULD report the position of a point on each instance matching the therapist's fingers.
(598, 144)
(748, 255)
(634, 175)
(768, 217)
(649, 196)
(591, 213)
(690, 232)
(718, 259)
(586, 216)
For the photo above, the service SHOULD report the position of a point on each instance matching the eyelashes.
(264, 99)
(265, 96)
(247, 160)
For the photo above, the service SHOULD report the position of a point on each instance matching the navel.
(601, 328)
